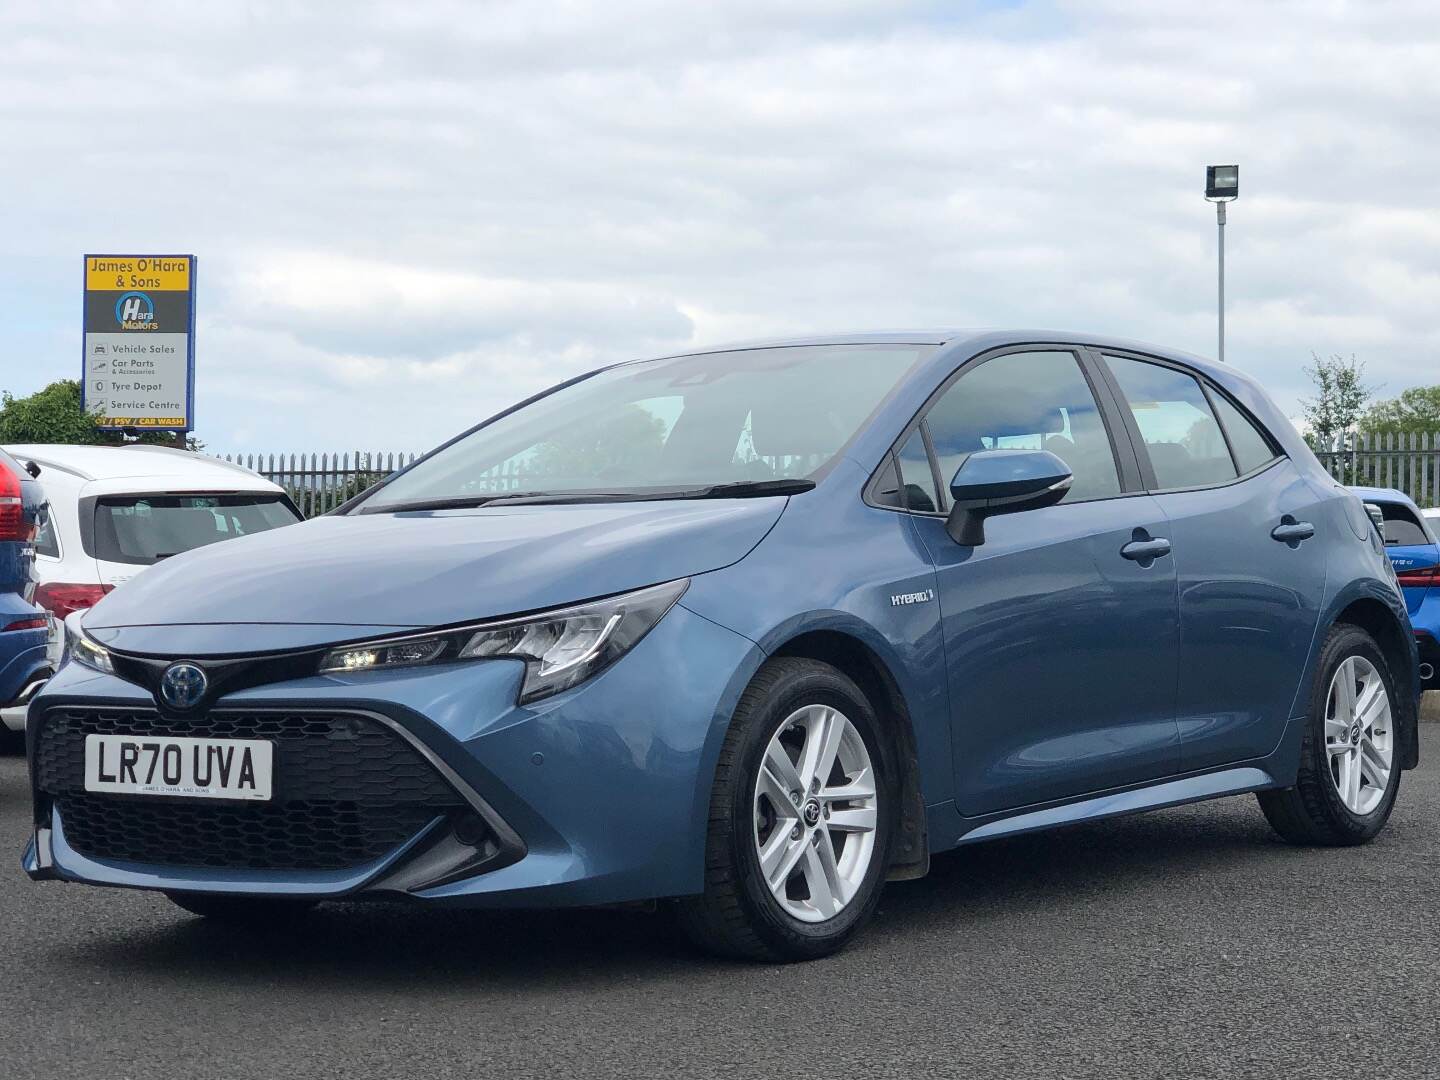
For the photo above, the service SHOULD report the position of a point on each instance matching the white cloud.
(409, 215)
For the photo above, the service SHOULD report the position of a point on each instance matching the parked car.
(754, 631)
(1414, 553)
(115, 510)
(22, 625)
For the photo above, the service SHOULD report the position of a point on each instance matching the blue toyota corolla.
(749, 631)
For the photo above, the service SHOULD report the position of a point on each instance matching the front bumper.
(598, 795)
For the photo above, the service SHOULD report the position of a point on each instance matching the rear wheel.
(253, 911)
(1348, 776)
(800, 819)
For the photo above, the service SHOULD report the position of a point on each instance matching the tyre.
(250, 911)
(801, 817)
(1348, 776)
(11, 742)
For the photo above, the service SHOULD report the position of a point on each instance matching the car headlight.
(81, 649)
(560, 648)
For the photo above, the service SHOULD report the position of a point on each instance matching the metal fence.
(320, 482)
(1409, 461)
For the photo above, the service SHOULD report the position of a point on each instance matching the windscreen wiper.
(750, 489)
(466, 502)
(453, 502)
(740, 489)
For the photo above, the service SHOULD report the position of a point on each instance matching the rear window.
(143, 529)
(1399, 526)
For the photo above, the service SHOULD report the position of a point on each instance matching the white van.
(114, 510)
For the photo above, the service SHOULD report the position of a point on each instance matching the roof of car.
(974, 340)
(1379, 494)
(981, 337)
(138, 460)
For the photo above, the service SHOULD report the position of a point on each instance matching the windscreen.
(143, 529)
(713, 418)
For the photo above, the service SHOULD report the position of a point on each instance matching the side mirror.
(32, 469)
(991, 482)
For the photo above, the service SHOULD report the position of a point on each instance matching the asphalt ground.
(1185, 943)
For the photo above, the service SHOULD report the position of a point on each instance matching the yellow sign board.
(161, 273)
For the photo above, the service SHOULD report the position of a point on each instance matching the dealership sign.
(139, 362)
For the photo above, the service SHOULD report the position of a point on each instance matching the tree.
(1415, 410)
(616, 446)
(1340, 397)
(54, 415)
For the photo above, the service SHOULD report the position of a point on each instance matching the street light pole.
(1222, 185)
(1220, 231)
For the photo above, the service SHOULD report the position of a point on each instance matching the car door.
(1249, 565)
(1061, 651)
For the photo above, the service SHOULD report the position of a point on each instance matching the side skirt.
(1154, 797)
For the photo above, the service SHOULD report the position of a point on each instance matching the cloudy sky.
(409, 214)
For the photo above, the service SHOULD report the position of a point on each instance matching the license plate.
(191, 768)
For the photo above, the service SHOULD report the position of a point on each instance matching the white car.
(1432, 515)
(114, 510)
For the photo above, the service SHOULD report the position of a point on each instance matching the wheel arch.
(910, 854)
(1397, 644)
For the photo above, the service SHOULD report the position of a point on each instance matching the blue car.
(748, 632)
(23, 627)
(1414, 552)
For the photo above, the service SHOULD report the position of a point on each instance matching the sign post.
(139, 360)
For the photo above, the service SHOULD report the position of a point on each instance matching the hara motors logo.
(135, 311)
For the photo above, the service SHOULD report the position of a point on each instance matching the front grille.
(347, 790)
(290, 836)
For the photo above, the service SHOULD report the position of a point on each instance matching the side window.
(1251, 448)
(1184, 442)
(915, 474)
(1027, 400)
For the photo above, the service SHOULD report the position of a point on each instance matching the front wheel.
(1348, 776)
(800, 819)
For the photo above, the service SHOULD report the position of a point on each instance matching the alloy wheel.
(815, 810)
(1359, 735)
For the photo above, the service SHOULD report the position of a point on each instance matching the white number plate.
(166, 765)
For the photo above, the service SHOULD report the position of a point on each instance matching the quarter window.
(1185, 444)
(915, 474)
(1027, 400)
(1251, 448)
(46, 542)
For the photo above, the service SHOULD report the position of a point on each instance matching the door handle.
(1146, 551)
(1291, 532)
